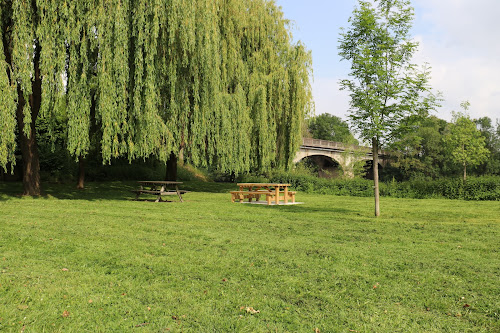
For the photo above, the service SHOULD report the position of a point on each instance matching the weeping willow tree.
(219, 80)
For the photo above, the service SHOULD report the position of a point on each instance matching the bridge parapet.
(338, 146)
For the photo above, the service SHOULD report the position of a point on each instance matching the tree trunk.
(171, 173)
(81, 173)
(28, 143)
(375, 176)
(29, 151)
(465, 172)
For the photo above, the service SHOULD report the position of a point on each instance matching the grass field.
(96, 261)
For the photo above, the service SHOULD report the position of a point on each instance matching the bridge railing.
(329, 144)
(338, 146)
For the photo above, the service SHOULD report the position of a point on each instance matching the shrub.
(312, 184)
(476, 188)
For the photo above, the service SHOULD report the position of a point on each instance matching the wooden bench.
(270, 195)
(159, 193)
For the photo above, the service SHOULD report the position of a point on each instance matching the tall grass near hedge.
(475, 188)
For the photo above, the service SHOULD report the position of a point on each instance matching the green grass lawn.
(96, 261)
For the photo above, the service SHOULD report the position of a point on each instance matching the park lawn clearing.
(97, 261)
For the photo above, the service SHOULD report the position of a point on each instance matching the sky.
(460, 39)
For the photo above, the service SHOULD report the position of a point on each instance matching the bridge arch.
(368, 169)
(325, 166)
(345, 155)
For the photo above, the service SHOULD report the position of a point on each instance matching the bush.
(475, 188)
(311, 184)
(188, 172)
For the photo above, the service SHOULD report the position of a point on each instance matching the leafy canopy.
(465, 142)
(220, 79)
(388, 92)
(332, 128)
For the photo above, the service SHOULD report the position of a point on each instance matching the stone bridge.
(343, 155)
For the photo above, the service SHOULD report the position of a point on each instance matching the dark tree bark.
(82, 161)
(171, 173)
(81, 173)
(28, 143)
(29, 151)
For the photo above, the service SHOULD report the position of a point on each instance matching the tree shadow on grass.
(95, 191)
(304, 208)
(91, 192)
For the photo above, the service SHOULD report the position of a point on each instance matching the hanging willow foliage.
(219, 79)
(7, 106)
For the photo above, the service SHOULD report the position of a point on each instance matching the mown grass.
(96, 261)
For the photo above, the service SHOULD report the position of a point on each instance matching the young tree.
(388, 92)
(466, 144)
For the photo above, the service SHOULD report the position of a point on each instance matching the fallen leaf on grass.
(90, 301)
(251, 310)
(224, 280)
(65, 314)
(64, 269)
(316, 330)
(466, 305)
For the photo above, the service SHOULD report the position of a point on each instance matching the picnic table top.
(158, 182)
(262, 184)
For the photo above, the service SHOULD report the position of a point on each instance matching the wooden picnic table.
(159, 188)
(272, 191)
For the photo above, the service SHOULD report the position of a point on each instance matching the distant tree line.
(437, 148)
(433, 148)
(216, 82)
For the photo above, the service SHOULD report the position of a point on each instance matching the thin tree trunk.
(171, 173)
(465, 172)
(81, 173)
(375, 176)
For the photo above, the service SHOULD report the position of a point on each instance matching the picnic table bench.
(272, 191)
(159, 188)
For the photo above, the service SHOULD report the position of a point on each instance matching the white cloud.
(459, 39)
(464, 54)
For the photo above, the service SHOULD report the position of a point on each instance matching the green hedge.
(475, 188)
(312, 184)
